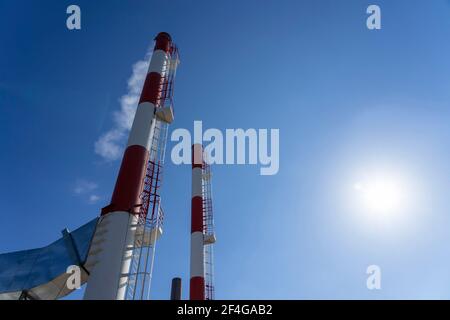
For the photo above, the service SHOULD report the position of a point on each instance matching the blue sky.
(347, 101)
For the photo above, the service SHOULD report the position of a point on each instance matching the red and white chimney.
(112, 246)
(197, 282)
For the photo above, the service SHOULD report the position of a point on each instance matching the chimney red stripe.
(152, 88)
(197, 288)
(197, 214)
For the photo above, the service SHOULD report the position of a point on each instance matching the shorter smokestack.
(197, 282)
(175, 292)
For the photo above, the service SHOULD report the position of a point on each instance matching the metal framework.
(208, 230)
(151, 215)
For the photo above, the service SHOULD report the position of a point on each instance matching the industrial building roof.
(42, 273)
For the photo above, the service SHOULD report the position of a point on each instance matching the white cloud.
(83, 186)
(110, 144)
(93, 198)
(85, 190)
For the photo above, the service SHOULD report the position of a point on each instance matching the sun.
(382, 196)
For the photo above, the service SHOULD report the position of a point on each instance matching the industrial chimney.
(202, 228)
(115, 241)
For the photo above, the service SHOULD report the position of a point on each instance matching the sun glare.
(381, 196)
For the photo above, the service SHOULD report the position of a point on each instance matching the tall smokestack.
(113, 243)
(197, 283)
(175, 292)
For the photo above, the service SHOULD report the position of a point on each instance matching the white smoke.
(110, 144)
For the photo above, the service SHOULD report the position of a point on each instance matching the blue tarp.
(27, 269)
